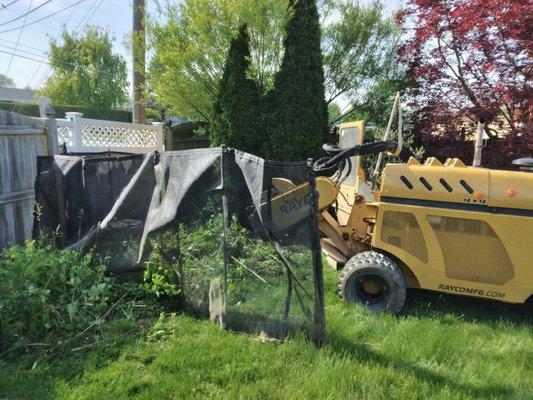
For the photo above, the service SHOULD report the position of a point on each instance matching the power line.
(25, 15)
(27, 58)
(4, 6)
(81, 24)
(43, 18)
(90, 16)
(18, 40)
(22, 45)
(46, 62)
(41, 23)
(10, 48)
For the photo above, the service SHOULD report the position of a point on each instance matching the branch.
(458, 74)
(341, 115)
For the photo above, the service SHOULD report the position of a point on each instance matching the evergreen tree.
(236, 111)
(298, 111)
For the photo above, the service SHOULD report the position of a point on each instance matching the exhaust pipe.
(478, 146)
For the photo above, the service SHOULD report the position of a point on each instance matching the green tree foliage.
(376, 105)
(86, 72)
(6, 81)
(191, 41)
(298, 121)
(237, 108)
(360, 50)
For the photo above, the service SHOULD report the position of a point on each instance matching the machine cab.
(353, 181)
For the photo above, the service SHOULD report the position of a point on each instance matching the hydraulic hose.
(328, 164)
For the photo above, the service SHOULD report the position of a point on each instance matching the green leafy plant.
(160, 275)
(55, 299)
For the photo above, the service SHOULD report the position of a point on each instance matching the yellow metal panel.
(327, 192)
(511, 189)
(456, 183)
(471, 250)
(514, 232)
(401, 229)
(444, 182)
(292, 206)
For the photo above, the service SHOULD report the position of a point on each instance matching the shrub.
(153, 114)
(55, 300)
(52, 299)
(236, 112)
(202, 260)
(108, 114)
(298, 117)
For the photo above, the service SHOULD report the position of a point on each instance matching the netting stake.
(318, 331)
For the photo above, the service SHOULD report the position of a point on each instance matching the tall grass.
(442, 347)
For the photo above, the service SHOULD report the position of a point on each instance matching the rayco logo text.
(295, 204)
(472, 291)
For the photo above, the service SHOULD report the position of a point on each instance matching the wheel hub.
(371, 289)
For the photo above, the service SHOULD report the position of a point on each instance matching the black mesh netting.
(239, 232)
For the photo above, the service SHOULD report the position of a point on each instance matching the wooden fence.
(195, 142)
(22, 139)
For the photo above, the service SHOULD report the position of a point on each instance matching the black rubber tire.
(377, 268)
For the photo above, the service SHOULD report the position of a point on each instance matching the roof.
(16, 95)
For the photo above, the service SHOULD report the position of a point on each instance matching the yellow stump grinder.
(446, 227)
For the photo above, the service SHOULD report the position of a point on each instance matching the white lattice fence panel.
(93, 135)
(64, 135)
(103, 134)
(65, 132)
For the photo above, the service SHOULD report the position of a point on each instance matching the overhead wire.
(43, 18)
(54, 28)
(46, 62)
(18, 40)
(25, 15)
(43, 77)
(82, 23)
(22, 45)
(86, 17)
(92, 10)
(4, 6)
(31, 53)
(21, 56)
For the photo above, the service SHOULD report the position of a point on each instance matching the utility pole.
(139, 49)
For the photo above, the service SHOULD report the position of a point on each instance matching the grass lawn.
(442, 347)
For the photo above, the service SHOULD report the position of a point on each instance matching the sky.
(114, 15)
(34, 39)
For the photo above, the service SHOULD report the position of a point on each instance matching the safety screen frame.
(206, 214)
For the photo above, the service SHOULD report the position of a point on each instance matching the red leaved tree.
(470, 59)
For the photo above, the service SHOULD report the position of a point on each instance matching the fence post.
(159, 140)
(52, 145)
(169, 137)
(48, 114)
(75, 117)
(44, 104)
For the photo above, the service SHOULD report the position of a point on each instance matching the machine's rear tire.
(374, 281)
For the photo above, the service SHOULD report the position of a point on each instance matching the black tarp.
(211, 212)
